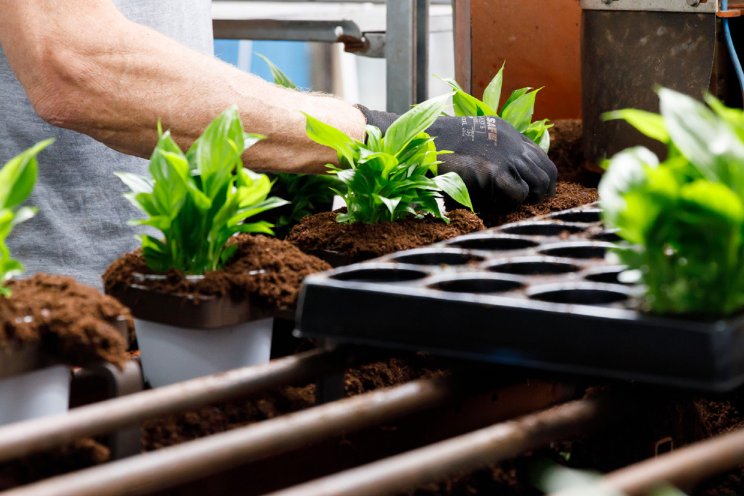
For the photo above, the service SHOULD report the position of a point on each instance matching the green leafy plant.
(307, 193)
(17, 179)
(684, 216)
(386, 178)
(517, 109)
(199, 199)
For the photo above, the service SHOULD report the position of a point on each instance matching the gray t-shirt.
(82, 226)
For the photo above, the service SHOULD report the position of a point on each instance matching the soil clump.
(325, 238)
(75, 324)
(79, 455)
(263, 268)
(576, 185)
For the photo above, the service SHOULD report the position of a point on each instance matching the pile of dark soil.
(76, 456)
(321, 235)
(264, 268)
(74, 323)
(181, 427)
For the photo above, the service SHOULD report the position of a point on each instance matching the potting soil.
(78, 455)
(73, 322)
(321, 233)
(264, 268)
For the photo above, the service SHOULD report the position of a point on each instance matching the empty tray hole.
(477, 285)
(499, 243)
(544, 229)
(576, 251)
(580, 296)
(610, 276)
(579, 216)
(534, 268)
(381, 274)
(438, 258)
(609, 236)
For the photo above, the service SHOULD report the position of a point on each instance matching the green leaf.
(23, 214)
(626, 172)
(17, 179)
(648, 123)
(515, 95)
(412, 123)
(329, 136)
(18, 176)
(280, 78)
(454, 186)
(544, 141)
(693, 128)
(135, 182)
(492, 93)
(465, 104)
(519, 112)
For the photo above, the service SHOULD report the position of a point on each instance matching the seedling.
(307, 193)
(386, 178)
(199, 199)
(685, 215)
(517, 109)
(17, 179)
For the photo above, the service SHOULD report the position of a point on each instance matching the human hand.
(497, 163)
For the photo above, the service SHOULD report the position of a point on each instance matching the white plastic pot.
(38, 393)
(173, 354)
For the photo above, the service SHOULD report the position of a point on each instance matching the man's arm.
(86, 67)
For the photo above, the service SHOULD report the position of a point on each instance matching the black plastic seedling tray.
(536, 293)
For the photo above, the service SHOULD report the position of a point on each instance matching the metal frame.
(404, 44)
(696, 6)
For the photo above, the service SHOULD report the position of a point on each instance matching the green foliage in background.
(517, 109)
(17, 179)
(307, 193)
(683, 216)
(387, 178)
(199, 199)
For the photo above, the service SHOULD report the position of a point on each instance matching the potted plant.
(683, 216)
(392, 192)
(46, 322)
(204, 293)
(517, 110)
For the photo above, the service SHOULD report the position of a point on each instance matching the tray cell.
(494, 243)
(580, 294)
(544, 229)
(579, 250)
(381, 274)
(438, 257)
(534, 266)
(583, 216)
(478, 285)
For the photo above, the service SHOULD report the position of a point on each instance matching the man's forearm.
(87, 68)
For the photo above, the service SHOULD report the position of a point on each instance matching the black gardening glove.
(496, 161)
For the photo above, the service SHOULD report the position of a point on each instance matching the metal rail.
(165, 468)
(683, 468)
(467, 452)
(32, 436)
(404, 44)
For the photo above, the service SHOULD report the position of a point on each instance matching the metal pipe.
(468, 452)
(24, 438)
(683, 468)
(401, 50)
(180, 464)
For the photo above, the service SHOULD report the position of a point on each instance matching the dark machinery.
(629, 47)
